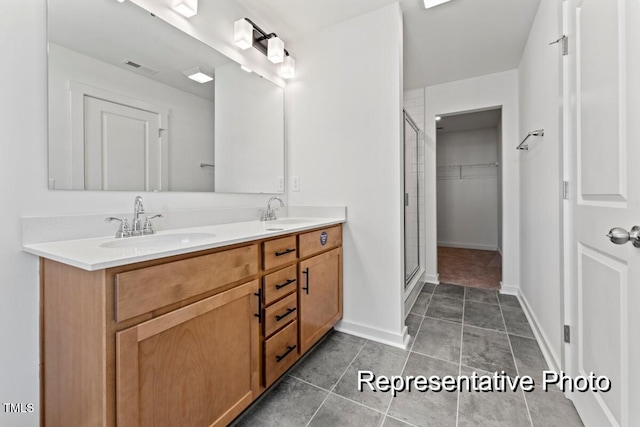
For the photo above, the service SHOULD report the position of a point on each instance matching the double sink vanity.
(184, 327)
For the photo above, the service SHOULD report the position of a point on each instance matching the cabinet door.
(196, 366)
(320, 296)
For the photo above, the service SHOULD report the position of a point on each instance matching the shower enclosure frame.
(414, 268)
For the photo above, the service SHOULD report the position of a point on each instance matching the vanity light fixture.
(120, 1)
(247, 69)
(431, 3)
(288, 68)
(186, 8)
(248, 34)
(198, 75)
(438, 118)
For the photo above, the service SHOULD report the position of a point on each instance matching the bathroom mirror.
(125, 115)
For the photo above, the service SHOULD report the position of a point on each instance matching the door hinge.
(160, 130)
(406, 199)
(565, 190)
(567, 334)
(564, 42)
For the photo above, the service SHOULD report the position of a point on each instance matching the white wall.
(345, 131)
(500, 201)
(540, 178)
(190, 128)
(468, 207)
(494, 90)
(23, 191)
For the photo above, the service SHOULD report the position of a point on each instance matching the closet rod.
(539, 132)
(470, 165)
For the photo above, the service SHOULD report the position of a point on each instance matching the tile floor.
(454, 330)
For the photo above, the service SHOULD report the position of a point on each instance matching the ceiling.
(469, 121)
(453, 41)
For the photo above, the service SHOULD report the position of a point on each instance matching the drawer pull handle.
(306, 287)
(287, 283)
(288, 312)
(286, 251)
(289, 350)
(259, 295)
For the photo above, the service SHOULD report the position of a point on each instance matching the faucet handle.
(148, 227)
(124, 230)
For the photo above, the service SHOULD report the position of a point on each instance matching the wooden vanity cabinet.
(188, 340)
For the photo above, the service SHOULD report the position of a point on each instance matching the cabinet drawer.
(147, 289)
(279, 252)
(280, 313)
(320, 240)
(279, 284)
(280, 352)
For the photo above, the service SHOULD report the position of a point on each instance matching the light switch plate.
(281, 183)
(295, 184)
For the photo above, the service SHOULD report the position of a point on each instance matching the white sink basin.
(158, 240)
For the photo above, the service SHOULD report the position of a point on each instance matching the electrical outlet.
(295, 185)
(281, 183)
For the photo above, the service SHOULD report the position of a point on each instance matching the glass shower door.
(411, 187)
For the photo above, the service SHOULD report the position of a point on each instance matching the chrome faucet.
(138, 209)
(135, 229)
(270, 214)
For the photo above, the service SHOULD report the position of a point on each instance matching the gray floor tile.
(337, 411)
(487, 350)
(381, 360)
(426, 408)
(483, 315)
(413, 323)
(508, 301)
(529, 358)
(290, 403)
(552, 409)
(428, 288)
(481, 295)
(439, 338)
(421, 304)
(445, 308)
(447, 290)
(324, 366)
(517, 322)
(392, 422)
(480, 409)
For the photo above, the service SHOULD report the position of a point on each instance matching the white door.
(602, 128)
(122, 147)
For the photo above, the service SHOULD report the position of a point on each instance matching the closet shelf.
(457, 172)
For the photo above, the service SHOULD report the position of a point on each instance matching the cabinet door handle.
(259, 295)
(305, 288)
(289, 350)
(286, 251)
(287, 283)
(288, 312)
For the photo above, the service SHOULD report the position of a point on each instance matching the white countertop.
(95, 253)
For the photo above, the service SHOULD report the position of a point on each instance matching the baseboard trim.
(412, 297)
(374, 334)
(468, 246)
(509, 290)
(499, 249)
(430, 278)
(549, 355)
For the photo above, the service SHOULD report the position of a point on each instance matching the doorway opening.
(469, 198)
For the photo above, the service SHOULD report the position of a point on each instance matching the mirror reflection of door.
(121, 147)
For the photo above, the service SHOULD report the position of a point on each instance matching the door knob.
(620, 236)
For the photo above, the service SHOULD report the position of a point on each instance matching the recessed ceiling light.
(431, 3)
(187, 8)
(438, 118)
(198, 75)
